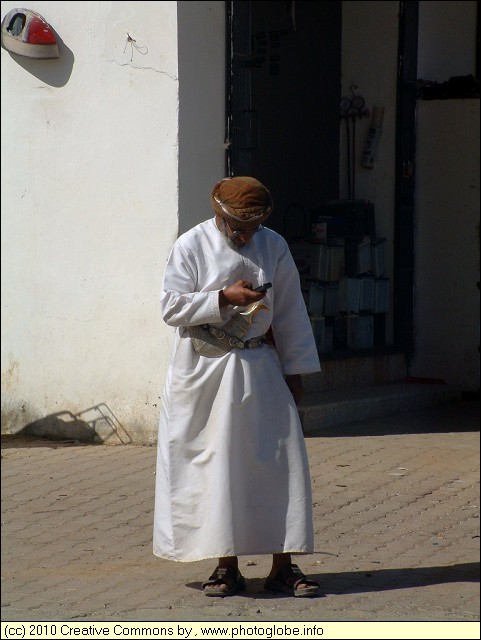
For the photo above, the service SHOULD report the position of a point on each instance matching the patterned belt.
(232, 341)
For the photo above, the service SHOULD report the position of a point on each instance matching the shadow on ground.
(455, 417)
(17, 441)
(369, 581)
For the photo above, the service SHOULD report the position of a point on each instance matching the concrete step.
(357, 371)
(322, 410)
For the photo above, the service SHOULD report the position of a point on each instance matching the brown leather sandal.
(230, 577)
(287, 579)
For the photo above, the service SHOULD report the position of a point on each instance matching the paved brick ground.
(396, 505)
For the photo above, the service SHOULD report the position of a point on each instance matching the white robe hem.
(243, 554)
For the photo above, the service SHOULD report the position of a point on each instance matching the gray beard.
(230, 243)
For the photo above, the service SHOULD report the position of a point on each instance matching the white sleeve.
(291, 325)
(181, 304)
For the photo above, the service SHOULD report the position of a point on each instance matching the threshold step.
(326, 409)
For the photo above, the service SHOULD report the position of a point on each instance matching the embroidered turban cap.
(242, 200)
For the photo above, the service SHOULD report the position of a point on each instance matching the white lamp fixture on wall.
(28, 34)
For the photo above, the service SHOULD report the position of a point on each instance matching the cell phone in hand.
(263, 287)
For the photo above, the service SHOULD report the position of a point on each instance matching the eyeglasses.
(236, 233)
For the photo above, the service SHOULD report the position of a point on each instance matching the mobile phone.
(263, 287)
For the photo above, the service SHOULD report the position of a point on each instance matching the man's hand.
(294, 382)
(239, 294)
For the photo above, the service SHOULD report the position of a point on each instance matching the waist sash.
(214, 342)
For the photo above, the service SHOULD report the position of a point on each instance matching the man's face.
(236, 237)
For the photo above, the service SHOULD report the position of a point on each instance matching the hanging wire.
(133, 45)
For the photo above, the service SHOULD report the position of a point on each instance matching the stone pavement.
(396, 504)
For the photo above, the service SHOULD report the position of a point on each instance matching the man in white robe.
(232, 471)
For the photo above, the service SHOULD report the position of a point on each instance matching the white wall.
(89, 212)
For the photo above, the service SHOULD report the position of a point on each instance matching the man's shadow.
(369, 581)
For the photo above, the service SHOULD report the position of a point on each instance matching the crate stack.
(343, 277)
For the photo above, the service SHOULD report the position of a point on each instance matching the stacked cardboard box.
(343, 276)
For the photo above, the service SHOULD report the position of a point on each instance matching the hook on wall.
(133, 45)
(351, 109)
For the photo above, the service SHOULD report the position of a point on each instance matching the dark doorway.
(405, 223)
(283, 92)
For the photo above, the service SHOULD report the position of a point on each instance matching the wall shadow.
(55, 72)
(94, 424)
